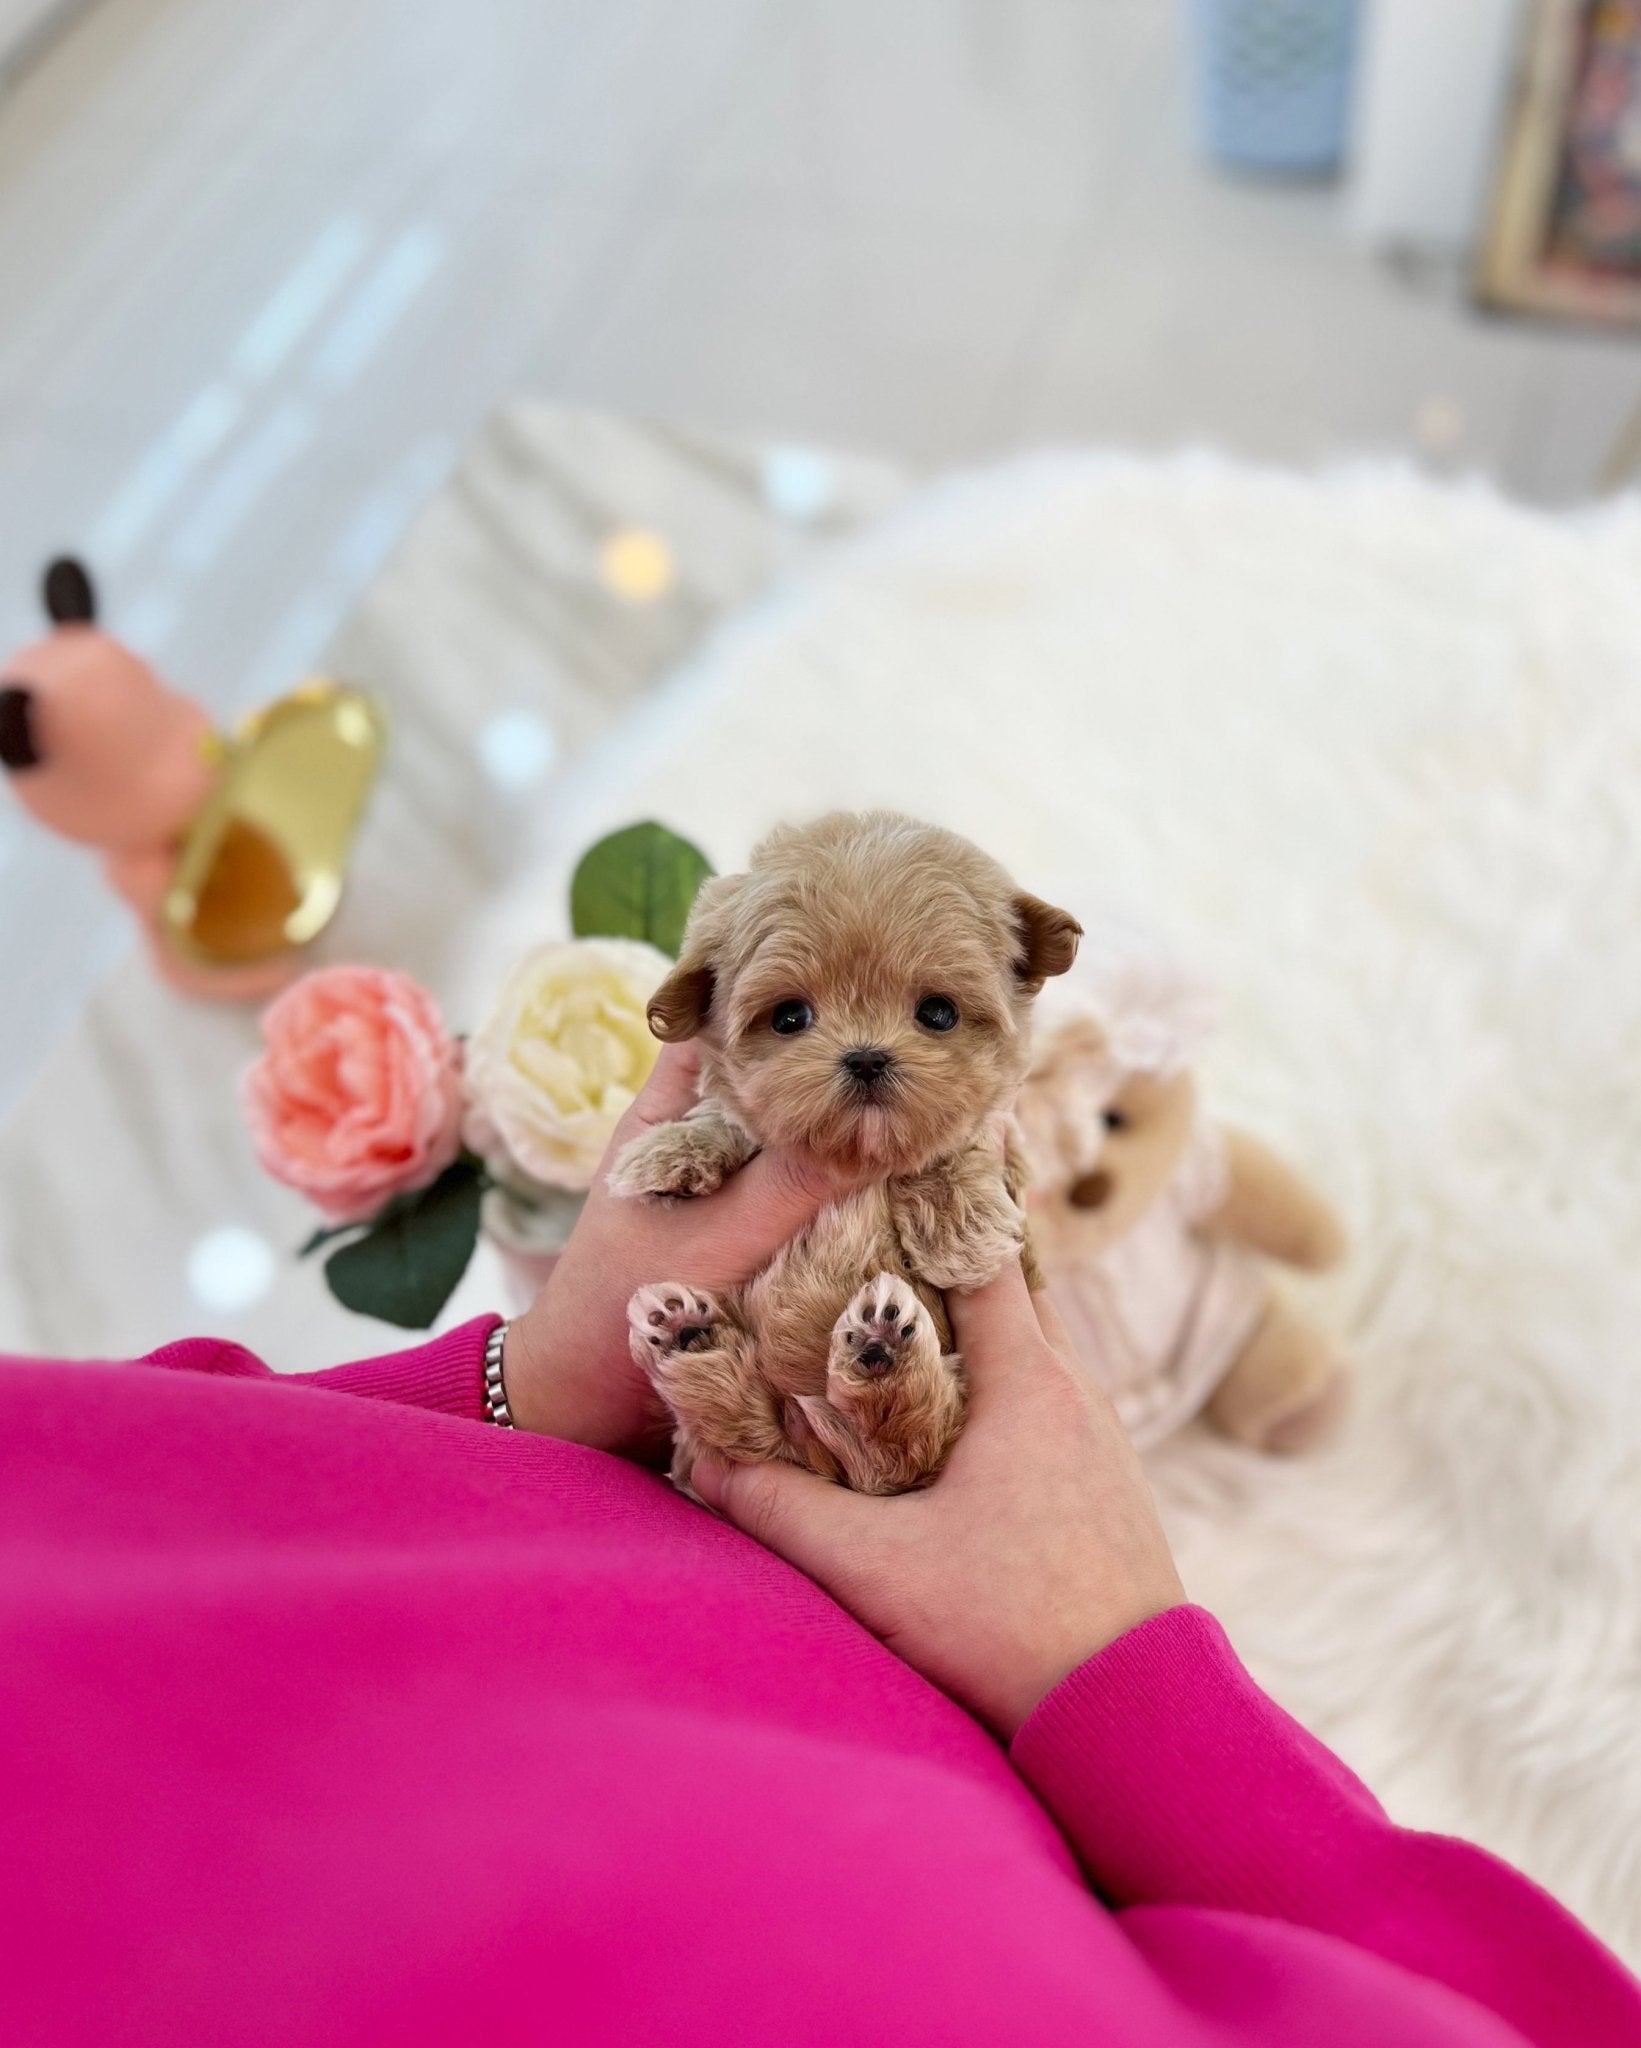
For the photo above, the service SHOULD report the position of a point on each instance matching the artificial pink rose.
(358, 1095)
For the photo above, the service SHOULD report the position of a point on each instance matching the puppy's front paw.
(959, 1226)
(672, 1159)
(664, 1320)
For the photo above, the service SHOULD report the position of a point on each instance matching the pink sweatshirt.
(330, 1714)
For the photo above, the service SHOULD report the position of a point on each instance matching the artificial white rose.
(563, 1052)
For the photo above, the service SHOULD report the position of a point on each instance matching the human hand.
(1037, 1546)
(566, 1363)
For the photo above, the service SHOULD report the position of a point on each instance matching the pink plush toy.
(100, 750)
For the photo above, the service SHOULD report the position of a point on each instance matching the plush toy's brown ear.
(680, 1006)
(1048, 940)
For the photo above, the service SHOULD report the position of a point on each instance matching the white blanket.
(1370, 749)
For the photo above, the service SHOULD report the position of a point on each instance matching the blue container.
(1273, 81)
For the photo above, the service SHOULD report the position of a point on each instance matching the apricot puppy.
(864, 992)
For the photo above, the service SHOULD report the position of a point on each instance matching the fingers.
(805, 1519)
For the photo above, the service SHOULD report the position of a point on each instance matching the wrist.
(1045, 1671)
(558, 1385)
(539, 1400)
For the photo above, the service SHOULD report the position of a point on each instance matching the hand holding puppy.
(1036, 1547)
(862, 994)
(568, 1368)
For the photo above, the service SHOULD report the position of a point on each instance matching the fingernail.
(707, 1477)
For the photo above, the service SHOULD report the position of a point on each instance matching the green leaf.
(637, 884)
(406, 1266)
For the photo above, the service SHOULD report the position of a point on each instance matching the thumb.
(1053, 1326)
(673, 1086)
(998, 1332)
(768, 1202)
(800, 1516)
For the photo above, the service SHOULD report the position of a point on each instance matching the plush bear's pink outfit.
(331, 1714)
(1164, 1310)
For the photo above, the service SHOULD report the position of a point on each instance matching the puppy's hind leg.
(701, 1362)
(898, 1398)
(884, 1333)
(663, 1321)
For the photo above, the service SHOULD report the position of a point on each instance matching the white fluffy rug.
(1370, 750)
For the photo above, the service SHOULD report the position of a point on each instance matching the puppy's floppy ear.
(1046, 940)
(680, 1006)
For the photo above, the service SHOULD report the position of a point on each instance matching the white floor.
(263, 266)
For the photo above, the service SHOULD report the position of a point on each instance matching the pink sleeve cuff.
(1179, 1783)
(446, 1373)
(1176, 1777)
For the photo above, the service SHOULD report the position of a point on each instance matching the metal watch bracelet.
(495, 1391)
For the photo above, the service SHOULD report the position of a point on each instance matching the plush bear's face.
(1102, 1145)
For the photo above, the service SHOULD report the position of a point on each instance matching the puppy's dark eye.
(791, 1017)
(1114, 1120)
(937, 1013)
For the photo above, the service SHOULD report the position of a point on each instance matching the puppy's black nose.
(867, 1064)
(17, 747)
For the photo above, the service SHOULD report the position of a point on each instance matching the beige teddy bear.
(1156, 1226)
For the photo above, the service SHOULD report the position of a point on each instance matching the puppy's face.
(864, 990)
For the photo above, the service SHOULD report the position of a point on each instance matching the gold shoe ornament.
(231, 850)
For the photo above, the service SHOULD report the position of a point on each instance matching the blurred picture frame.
(1563, 239)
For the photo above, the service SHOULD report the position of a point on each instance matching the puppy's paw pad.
(879, 1327)
(664, 1320)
